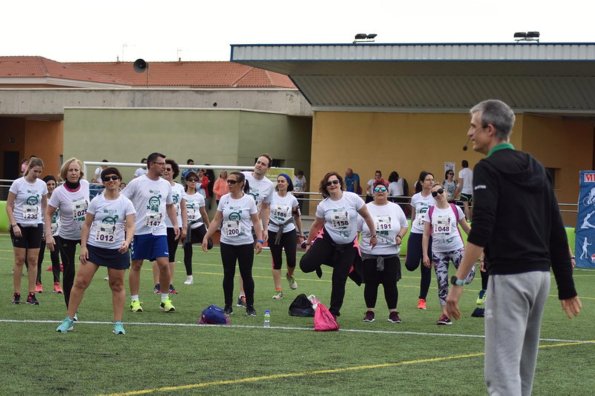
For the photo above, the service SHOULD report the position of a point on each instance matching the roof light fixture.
(364, 38)
(526, 36)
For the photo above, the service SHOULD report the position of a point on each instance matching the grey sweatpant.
(512, 324)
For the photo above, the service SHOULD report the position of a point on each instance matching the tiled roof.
(159, 74)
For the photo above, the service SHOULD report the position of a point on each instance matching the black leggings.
(388, 278)
(55, 258)
(67, 252)
(244, 255)
(289, 243)
(484, 280)
(194, 235)
(172, 244)
(340, 257)
(414, 260)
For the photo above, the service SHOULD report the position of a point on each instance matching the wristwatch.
(456, 281)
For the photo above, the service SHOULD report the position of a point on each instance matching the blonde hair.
(66, 165)
(33, 161)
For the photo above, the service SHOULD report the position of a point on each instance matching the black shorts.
(30, 237)
(466, 198)
(110, 258)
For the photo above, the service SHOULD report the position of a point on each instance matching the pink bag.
(323, 318)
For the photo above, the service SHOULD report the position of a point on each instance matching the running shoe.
(136, 306)
(250, 311)
(31, 300)
(393, 317)
(157, 289)
(189, 280)
(16, 298)
(57, 288)
(228, 310)
(66, 326)
(443, 320)
(38, 288)
(118, 328)
(278, 295)
(421, 303)
(76, 317)
(478, 312)
(167, 306)
(241, 301)
(369, 317)
(481, 297)
(172, 290)
(292, 283)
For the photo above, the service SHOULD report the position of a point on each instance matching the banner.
(584, 250)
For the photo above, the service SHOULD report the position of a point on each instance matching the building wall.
(411, 142)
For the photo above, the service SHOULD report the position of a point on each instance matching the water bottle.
(267, 318)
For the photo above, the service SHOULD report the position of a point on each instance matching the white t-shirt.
(340, 216)
(109, 221)
(467, 175)
(236, 226)
(73, 208)
(395, 189)
(445, 232)
(140, 171)
(281, 211)
(193, 204)
(149, 198)
(389, 219)
(299, 185)
(370, 189)
(261, 190)
(177, 193)
(27, 203)
(421, 205)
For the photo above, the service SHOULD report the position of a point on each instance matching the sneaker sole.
(369, 321)
(118, 332)
(394, 321)
(443, 323)
(64, 332)
(172, 309)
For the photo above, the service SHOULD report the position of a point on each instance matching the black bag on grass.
(301, 306)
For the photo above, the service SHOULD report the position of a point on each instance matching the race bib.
(441, 225)
(340, 220)
(231, 228)
(106, 233)
(192, 214)
(153, 219)
(30, 212)
(79, 209)
(382, 223)
(280, 213)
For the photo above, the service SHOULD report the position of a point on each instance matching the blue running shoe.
(118, 328)
(66, 325)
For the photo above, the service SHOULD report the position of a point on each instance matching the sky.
(195, 30)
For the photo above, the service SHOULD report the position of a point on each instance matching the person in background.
(189, 162)
(105, 238)
(352, 182)
(465, 188)
(51, 183)
(381, 264)
(220, 188)
(71, 199)
(170, 173)
(441, 223)
(395, 186)
(518, 226)
(236, 215)
(25, 205)
(370, 186)
(197, 217)
(333, 236)
(285, 232)
(300, 186)
(97, 174)
(203, 184)
(142, 170)
(420, 203)
(450, 185)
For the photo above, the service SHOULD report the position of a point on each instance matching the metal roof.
(531, 77)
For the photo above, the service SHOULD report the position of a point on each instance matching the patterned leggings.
(441, 261)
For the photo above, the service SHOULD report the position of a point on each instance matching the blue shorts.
(149, 247)
(110, 258)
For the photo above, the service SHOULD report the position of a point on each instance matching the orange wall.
(45, 140)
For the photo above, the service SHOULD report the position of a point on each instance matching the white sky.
(81, 30)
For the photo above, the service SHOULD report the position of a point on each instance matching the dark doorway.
(11, 165)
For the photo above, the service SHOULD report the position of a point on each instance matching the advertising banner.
(584, 249)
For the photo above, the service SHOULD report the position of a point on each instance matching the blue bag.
(213, 315)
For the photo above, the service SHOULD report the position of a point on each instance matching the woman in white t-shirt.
(197, 218)
(381, 264)
(420, 204)
(285, 232)
(441, 223)
(106, 235)
(72, 200)
(26, 202)
(333, 235)
(51, 183)
(236, 215)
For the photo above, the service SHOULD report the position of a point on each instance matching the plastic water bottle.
(267, 318)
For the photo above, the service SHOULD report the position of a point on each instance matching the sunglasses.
(331, 182)
(108, 178)
(231, 181)
(192, 180)
(439, 191)
(380, 189)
